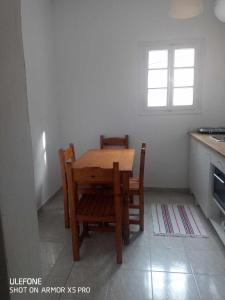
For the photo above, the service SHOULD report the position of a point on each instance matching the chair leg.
(75, 242)
(141, 199)
(66, 213)
(119, 242)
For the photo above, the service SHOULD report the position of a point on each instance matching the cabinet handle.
(217, 177)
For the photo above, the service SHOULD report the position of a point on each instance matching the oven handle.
(217, 177)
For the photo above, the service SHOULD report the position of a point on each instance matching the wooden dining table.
(104, 158)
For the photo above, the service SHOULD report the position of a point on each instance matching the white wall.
(97, 56)
(43, 110)
(17, 206)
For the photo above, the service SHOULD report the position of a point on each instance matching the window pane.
(183, 77)
(157, 97)
(183, 96)
(157, 78)
(157, 59)
(184, 57)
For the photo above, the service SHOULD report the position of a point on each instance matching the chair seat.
(96, 207)
(134, 184)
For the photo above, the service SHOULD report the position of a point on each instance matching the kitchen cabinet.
(200, 174)
(205, 155)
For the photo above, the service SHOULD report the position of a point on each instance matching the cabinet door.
(204, 184)
(193, 176)
(200, 174)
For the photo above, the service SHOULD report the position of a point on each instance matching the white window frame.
(144, 49)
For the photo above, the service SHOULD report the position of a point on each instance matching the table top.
(104, 158)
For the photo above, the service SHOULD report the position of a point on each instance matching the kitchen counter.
(207, 140)
(207, 156)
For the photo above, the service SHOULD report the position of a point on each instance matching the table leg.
(126, 232)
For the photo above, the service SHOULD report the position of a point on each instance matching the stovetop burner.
(219, 137)
(212, 130)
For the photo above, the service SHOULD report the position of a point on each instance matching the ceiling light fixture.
(186, 9)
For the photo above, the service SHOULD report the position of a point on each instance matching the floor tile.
(49, 254)
(160, 196)
(136, 258)
(70, 298)
(130, 285)
(96, 255)
(177, 197)
(63, 265)
(166, 242)
(171, 260)
(202, 244)
(50, 251)
(174, 286)
(140, 238)
(51, 227)
(50, 297)
(170, 256)
(53, 282)
(207, 261)
(107, 239)
(212, 242)
(95, 280)
(211, 287)
(56, 203)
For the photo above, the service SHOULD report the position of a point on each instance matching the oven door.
(219, 186)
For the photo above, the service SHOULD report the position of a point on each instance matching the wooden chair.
(136, 187)
(91, 208)
(114, 142)
(66, 155)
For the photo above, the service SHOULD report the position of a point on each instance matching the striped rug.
(176, 220)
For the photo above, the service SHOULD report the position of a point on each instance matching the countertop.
(207, 140)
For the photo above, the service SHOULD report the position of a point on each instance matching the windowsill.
(168, 112)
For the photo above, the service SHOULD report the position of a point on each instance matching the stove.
(219, 137)
(212, 130)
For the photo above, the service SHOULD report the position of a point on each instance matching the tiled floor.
(159, 268)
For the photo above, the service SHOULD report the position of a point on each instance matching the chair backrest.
(66, 155)
(107, 142)
(142, 165)
(94, 176)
